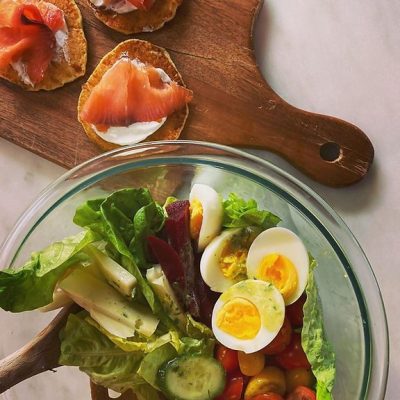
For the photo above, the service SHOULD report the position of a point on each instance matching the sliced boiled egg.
(279, 256)
(248, 315)
(206, 214)
(223, 262)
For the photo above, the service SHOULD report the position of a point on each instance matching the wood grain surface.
(211, 43)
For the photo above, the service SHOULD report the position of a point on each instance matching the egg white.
(284, 242)
(209, 263)
(265, 297)
(212, 213)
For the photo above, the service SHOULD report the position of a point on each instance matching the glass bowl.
(354, 314)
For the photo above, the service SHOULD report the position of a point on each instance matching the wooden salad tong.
(39, 355)
(42, 354)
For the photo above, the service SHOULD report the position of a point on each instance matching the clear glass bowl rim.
(375, 383)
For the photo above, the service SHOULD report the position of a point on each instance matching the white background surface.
(336, 57)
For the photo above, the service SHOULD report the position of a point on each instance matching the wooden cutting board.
(211, 44)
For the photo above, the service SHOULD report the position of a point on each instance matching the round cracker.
(60, 73)
(139, 21)
(145, 52)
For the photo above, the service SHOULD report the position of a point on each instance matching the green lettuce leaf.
(89, 215)
(122, 364)
(145, 345)
(319, 351)
(197, 346)
(32, 285)
(84, 346)
(147, 221)
(123, 218)
(118, 218)
(196, 329)
(152, 362)
(239, 213)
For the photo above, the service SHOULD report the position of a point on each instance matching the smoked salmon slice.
(27, 35)
(132, 92)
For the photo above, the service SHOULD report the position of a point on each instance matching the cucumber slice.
(192, 377)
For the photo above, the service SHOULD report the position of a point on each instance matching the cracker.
(149, 53)
(139, 20)
(60, 73)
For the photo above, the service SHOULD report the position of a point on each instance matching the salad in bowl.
(197, 298)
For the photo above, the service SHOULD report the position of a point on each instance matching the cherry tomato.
(251, 364)
(281, 340)
(293, 356)
(267, 396)
(269, 380)
(302, 393)
(227, 357)
(299, 377)
(295, 311)
(233, 388)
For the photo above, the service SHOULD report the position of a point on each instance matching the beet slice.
(207, 297)
(169, 260)
(177, 227)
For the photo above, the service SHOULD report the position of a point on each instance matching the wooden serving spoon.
(39, 355)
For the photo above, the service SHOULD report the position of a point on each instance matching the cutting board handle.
(329, 150)
(211, 44)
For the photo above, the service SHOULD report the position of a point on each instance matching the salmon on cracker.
(134, 94)
(135, 16)
(42, 44)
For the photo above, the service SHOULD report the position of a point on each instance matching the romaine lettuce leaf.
(89, 215)
(122, 364)
(197, 346)
(84, 346)
(319, 351)
(148, 220)
(197, 330)
(239, 213)
(145, 345)
(152, 362)
(32, 285)
(123, 218)
(114, 219)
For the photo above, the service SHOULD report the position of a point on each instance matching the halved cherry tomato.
(293, 356)
(281, 340)
(267, 396)
(233, 388)
(227, 357)
(295, 311)
(302, 393)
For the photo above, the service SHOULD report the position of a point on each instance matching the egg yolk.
(279, 271)
(196, 218)
(239, 318)
(233, 263)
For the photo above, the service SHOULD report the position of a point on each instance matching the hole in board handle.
(330, 152)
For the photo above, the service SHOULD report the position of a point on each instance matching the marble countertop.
(335, 57)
